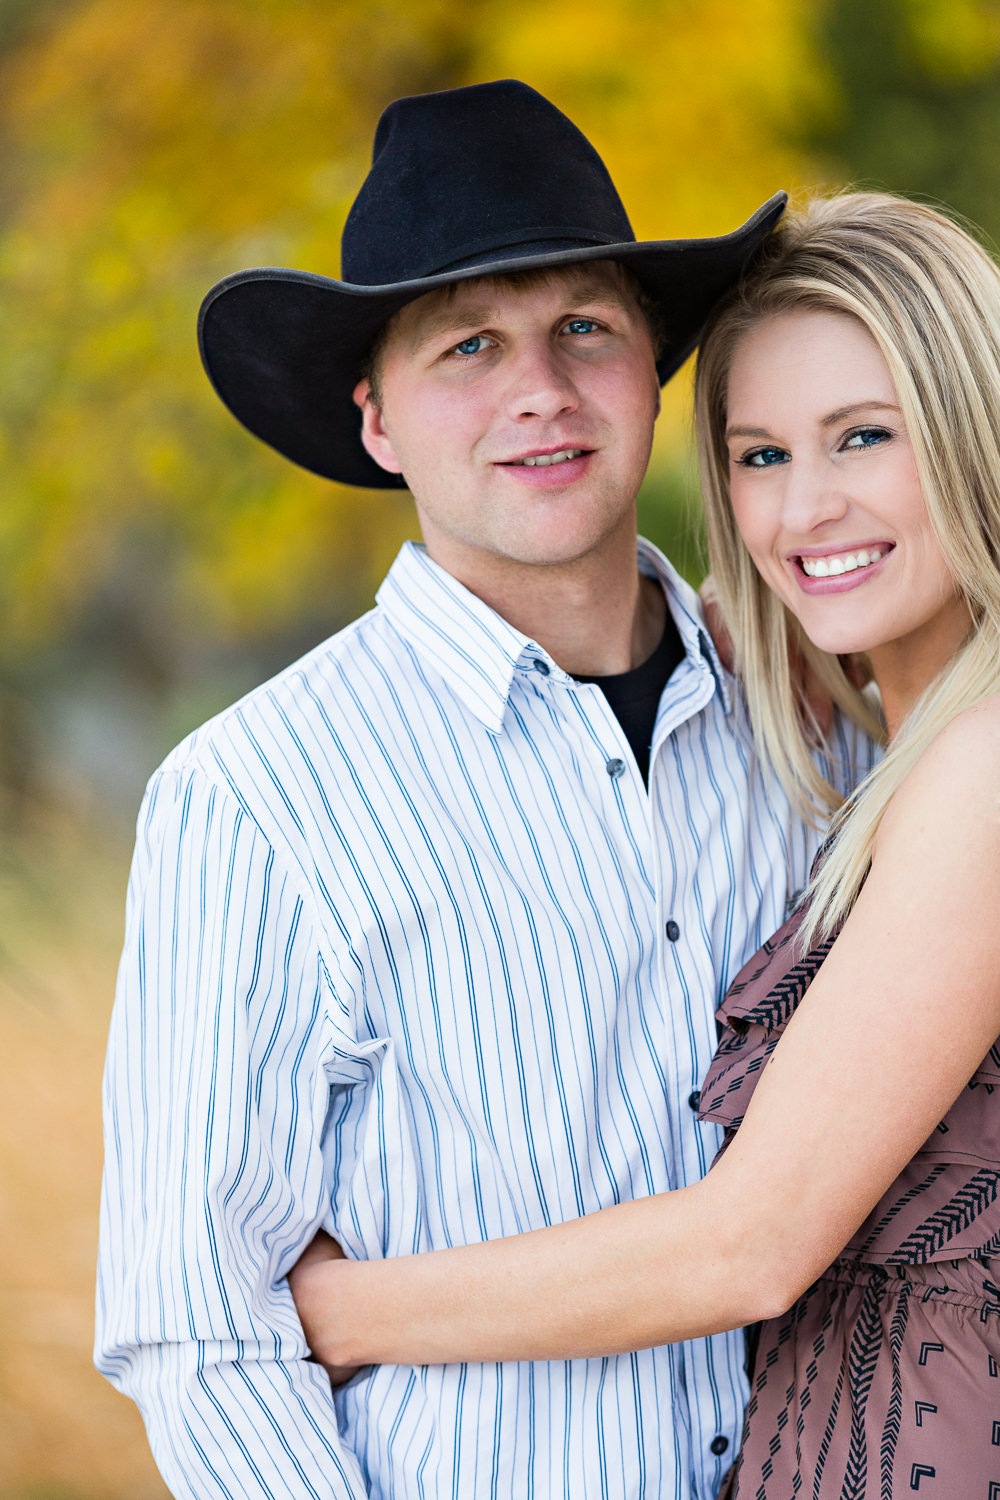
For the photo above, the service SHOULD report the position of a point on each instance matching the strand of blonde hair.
(930, 297)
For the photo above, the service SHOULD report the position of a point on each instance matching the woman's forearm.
(836, 1114)
(642, 1273)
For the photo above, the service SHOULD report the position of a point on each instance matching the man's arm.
(216, 1090)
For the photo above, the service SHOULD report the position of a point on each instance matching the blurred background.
(156, 562)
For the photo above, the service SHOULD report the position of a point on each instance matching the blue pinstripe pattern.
(396, 964)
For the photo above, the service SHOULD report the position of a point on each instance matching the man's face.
(520, 415)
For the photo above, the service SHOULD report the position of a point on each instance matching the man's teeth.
(832, 567)
(540, 460)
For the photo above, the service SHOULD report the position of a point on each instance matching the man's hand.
(308, 1284)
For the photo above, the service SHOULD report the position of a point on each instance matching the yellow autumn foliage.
(157, 146)
(149, 147)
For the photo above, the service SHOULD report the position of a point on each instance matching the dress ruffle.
(945, 1204)
(884, 1378)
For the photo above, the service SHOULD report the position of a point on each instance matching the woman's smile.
(835, 570)
(826, 494)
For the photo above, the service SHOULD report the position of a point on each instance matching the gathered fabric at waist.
(972, 1282)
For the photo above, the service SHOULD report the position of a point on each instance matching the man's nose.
(540, 383)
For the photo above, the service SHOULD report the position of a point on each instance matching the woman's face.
(826, 495)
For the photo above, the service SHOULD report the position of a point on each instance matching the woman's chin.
(840, 641)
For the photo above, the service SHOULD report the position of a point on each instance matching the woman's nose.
(814, 493)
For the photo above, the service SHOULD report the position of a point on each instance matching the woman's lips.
(837, 572)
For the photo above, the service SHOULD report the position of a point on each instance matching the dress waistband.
(971, 1282)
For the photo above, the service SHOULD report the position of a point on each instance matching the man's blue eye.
(581, 325)
(471, 345)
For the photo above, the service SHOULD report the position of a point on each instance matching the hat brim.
(284, 349)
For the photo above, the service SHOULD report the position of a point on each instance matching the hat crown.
(460, 176)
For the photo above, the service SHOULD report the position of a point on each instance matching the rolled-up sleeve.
(224, 1040)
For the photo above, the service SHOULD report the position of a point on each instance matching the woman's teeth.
(541, 459)
(847, 562)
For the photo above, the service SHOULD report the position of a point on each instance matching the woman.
(848, 400)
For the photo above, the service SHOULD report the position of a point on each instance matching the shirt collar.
(685, 607)
(479, 653)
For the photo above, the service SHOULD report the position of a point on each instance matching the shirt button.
(541, 666)
(673, 931)
(615, 768)
(719, 1445)
(694, 1100)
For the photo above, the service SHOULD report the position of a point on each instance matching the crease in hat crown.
(412, 218)
(487, 179)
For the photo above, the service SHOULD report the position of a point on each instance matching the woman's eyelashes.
(766, 456)
(763, 458)
(866, 437)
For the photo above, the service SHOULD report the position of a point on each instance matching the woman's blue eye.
(763, 458)
(866, 437)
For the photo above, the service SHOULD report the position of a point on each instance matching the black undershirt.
(634, 696)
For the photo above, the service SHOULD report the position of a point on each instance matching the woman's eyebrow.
(856, 406)
(828, 421)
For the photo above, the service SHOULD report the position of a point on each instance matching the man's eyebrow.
(828, 421)
(450, 319)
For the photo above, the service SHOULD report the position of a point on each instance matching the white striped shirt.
(412, 954)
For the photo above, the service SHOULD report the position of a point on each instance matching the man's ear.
(374, 436)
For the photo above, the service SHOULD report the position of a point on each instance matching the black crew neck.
(634, 696)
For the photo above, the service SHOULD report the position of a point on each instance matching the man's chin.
(558, 549)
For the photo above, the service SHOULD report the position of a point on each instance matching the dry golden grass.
(64, 1433)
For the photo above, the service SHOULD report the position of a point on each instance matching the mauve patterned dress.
(883, 1381)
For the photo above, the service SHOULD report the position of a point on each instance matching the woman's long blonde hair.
(930, 298)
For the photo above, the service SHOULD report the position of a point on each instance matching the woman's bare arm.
(898, 1019)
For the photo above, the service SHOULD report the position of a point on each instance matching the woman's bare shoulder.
(955, 785)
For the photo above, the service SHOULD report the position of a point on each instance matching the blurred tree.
(914, 100)
(154, 147)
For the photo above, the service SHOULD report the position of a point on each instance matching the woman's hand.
(818, 705)
(310, 1281)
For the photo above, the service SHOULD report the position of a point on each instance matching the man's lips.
(546, 467)
(544, 458)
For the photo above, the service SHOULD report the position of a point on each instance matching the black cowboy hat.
(469, 182)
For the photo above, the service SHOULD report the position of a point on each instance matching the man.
(413, 954)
